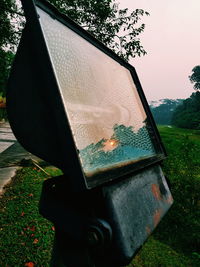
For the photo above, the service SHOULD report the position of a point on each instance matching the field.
(26, 237)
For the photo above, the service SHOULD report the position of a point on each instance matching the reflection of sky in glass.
(98, 94)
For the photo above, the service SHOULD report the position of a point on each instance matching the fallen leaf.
(22, 214)
(35, 241)
(29, 264)
(32, 228)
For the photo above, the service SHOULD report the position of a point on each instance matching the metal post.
(81, 239)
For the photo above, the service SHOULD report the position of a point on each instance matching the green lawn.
(26, 237)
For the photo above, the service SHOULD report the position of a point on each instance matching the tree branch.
(15, 12)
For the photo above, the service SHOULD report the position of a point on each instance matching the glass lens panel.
(104, 110)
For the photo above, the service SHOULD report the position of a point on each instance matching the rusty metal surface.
(132, 208)
(138, 204)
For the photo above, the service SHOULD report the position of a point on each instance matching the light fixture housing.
(76, 104)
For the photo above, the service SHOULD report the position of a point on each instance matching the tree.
(187, 115)
(195, 77)
(163, 113)
(5, 65)
(10, 26)
(7, 31)
(116, 28)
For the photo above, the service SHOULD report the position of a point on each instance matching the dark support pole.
(81, 238)
(68, 253)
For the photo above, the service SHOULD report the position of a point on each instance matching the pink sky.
(172, 42)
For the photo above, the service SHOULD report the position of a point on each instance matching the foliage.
(182, 167)
(9, 24)
(5, 65)
(187, 115)
(10, 31)
(116, 28)
(27, 238)
(163, 113)
(195, 77)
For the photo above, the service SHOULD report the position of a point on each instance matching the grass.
(27, 237)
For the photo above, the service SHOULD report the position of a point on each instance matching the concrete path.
(11, 154)
(6, 136)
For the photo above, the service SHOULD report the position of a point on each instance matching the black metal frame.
(72, 168)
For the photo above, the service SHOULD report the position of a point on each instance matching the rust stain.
(156, 217)
(148, 230)
(156, 191)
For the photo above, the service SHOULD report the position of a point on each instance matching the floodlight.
(81, 106)
(74, 103)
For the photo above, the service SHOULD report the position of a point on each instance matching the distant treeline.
(187, 115)
(180, 113)
(164, 109)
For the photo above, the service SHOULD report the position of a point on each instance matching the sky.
(172, 41)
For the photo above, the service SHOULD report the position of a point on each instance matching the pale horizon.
(172, 43)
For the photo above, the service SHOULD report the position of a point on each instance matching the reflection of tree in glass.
(126, 136)
(124, 145)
